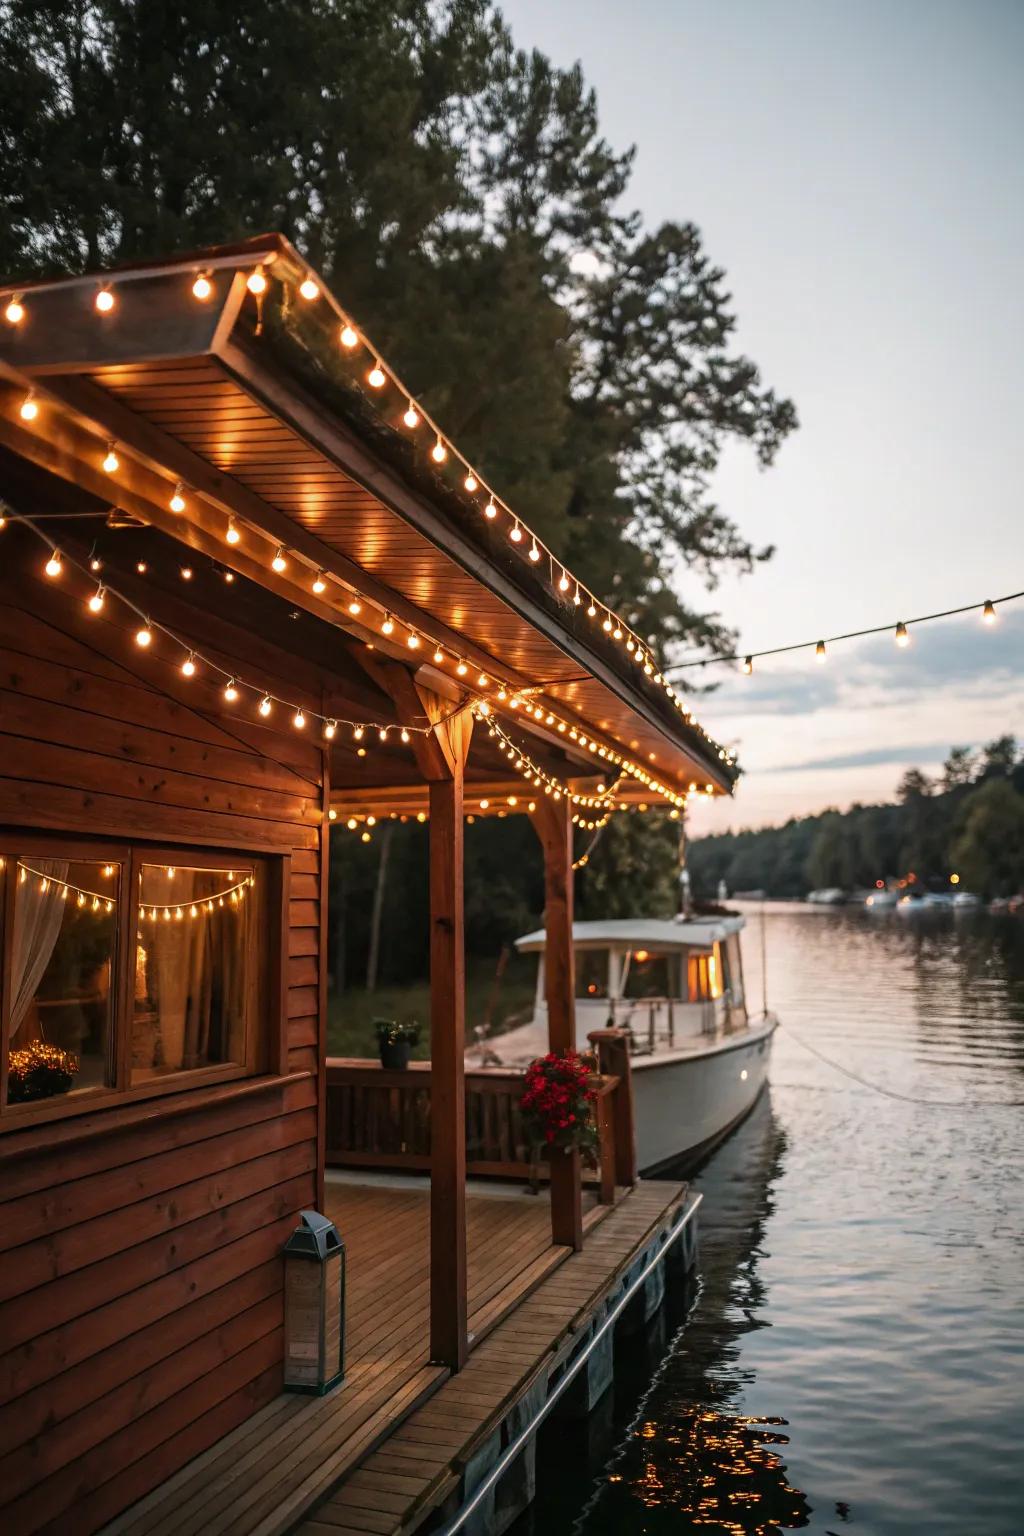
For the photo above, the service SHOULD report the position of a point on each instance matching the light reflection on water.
(854, 1360)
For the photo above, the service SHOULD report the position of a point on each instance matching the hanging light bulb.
(413, 641)
(29, 407)
(355, 606)
(256, 282)
(141, 567)
(462, 669)
(482, 680)
(54, 566)
(105, 301)
(298, 720)
(439, 452)
(111, 463)
(308, 289)
(265, 705)
(534, 552)
(97, 599)
(411, 416)
(188, 666)
(388, 626)
(95, 563)
(490, 510)
(202, 288)
(563, 582)
(471, 482)
(404, 736)
(14, 314)
(233, 536)
(231, 692)
(576, 598)
(348, 337)
(819, 652)
(331, 729)
(144, 636)
(438, 656)
(516, 534)
(376, 378)
(607, 624)
(988, 613)
(591, 609)
(357, 733)
(902, 637)
(280, 560)
(229, 577)
(319, 585)
(383, 734)
(177, 501)
(748, 664)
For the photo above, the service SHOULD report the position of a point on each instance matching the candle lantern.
(314, 1305)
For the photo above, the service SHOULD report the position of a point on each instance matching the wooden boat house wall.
(299, 613)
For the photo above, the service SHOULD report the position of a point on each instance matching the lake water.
(853, 1361)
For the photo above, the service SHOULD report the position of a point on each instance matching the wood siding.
(140, 1273)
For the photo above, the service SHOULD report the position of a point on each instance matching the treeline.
(968, 820)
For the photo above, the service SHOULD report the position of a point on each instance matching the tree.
(914, 785)
(998, 758)
(958, 769)
(988, 853)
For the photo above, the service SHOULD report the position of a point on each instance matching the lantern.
(314, 1305)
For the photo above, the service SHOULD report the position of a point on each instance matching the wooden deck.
(267, 1472)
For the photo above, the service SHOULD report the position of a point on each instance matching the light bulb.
(330, 729)
(111, 463)
(29, 407)
(298, 720)
(319, 585)
(177, 501)
(819, 651)
(265, 705)
(411, 417)
(309, 290)
(348, 337)
(482, 680)
(95, 564)
(438, 656)
(144, 636)
(516, 534)
(256, 282)
(186, 573)
(357, 733)
(97, 599)
(229, 577)
(607, 625)
(188, 666)
(591, 610)
(404, 736)
(490, 510)
(988, 613)
(141, 567)
(617, 635)
(462, 669)
(202, 288)
(388, 626)
(439, 452)
(563, 582)
(54, 565)
(534, 552)
(748, 664)
(376, 378)
(355, 606)
(413, 642)
(231, 692)
(233, 536)
(105, 301)
(280, 561)
(14, 314)
(902, 637)
(471, 482)
(383, 733)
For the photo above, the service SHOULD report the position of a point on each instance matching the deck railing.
(380, 1118)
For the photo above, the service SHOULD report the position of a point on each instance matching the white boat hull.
(687, 1100)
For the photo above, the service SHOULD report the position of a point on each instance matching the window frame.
(265, 1034)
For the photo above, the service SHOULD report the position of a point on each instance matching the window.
(647, 975)
(591, 973)
(128, 971)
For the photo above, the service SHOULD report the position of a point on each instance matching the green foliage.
(968, 821)
(396, 1032)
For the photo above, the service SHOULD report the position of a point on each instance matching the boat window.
(647, 976)
(591, 973)
(698, 978)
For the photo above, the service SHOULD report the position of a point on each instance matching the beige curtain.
(193, 975)
(38, 915)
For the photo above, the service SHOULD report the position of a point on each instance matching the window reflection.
(647, 975)
(194, 968)
(62, 955)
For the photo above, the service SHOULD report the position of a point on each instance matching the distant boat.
(698, 1061)
(831, 896)
(965, 900)
(882, 901)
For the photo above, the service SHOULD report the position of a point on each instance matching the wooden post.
(552, 821)
(612, 1047)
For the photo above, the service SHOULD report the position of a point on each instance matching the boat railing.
(379, 1118)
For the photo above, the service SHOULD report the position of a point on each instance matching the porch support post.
(552, 821)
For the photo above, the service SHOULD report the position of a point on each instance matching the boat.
(699, 1061)
(831, 896)
(882, 901)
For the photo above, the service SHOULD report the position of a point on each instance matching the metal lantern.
(314, 1305)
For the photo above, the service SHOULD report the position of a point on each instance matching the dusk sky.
(858, 170)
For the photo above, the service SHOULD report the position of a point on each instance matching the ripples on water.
(854, 1360)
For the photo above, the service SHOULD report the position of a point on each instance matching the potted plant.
(558, 1105)
(38, 1071)
(395, 1042)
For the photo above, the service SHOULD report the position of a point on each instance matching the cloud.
(917, 753)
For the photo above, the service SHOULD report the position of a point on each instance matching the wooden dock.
(393, 1442)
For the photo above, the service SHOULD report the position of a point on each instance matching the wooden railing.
(379, 1118)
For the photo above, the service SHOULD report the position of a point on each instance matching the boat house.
(251, 597)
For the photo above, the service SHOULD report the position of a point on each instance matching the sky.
(858, 170)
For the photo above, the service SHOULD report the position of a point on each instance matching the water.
(854, 1361)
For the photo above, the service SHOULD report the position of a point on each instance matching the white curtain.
(38, 915)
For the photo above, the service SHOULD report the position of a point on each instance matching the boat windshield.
(647, 975)
(591, 973)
